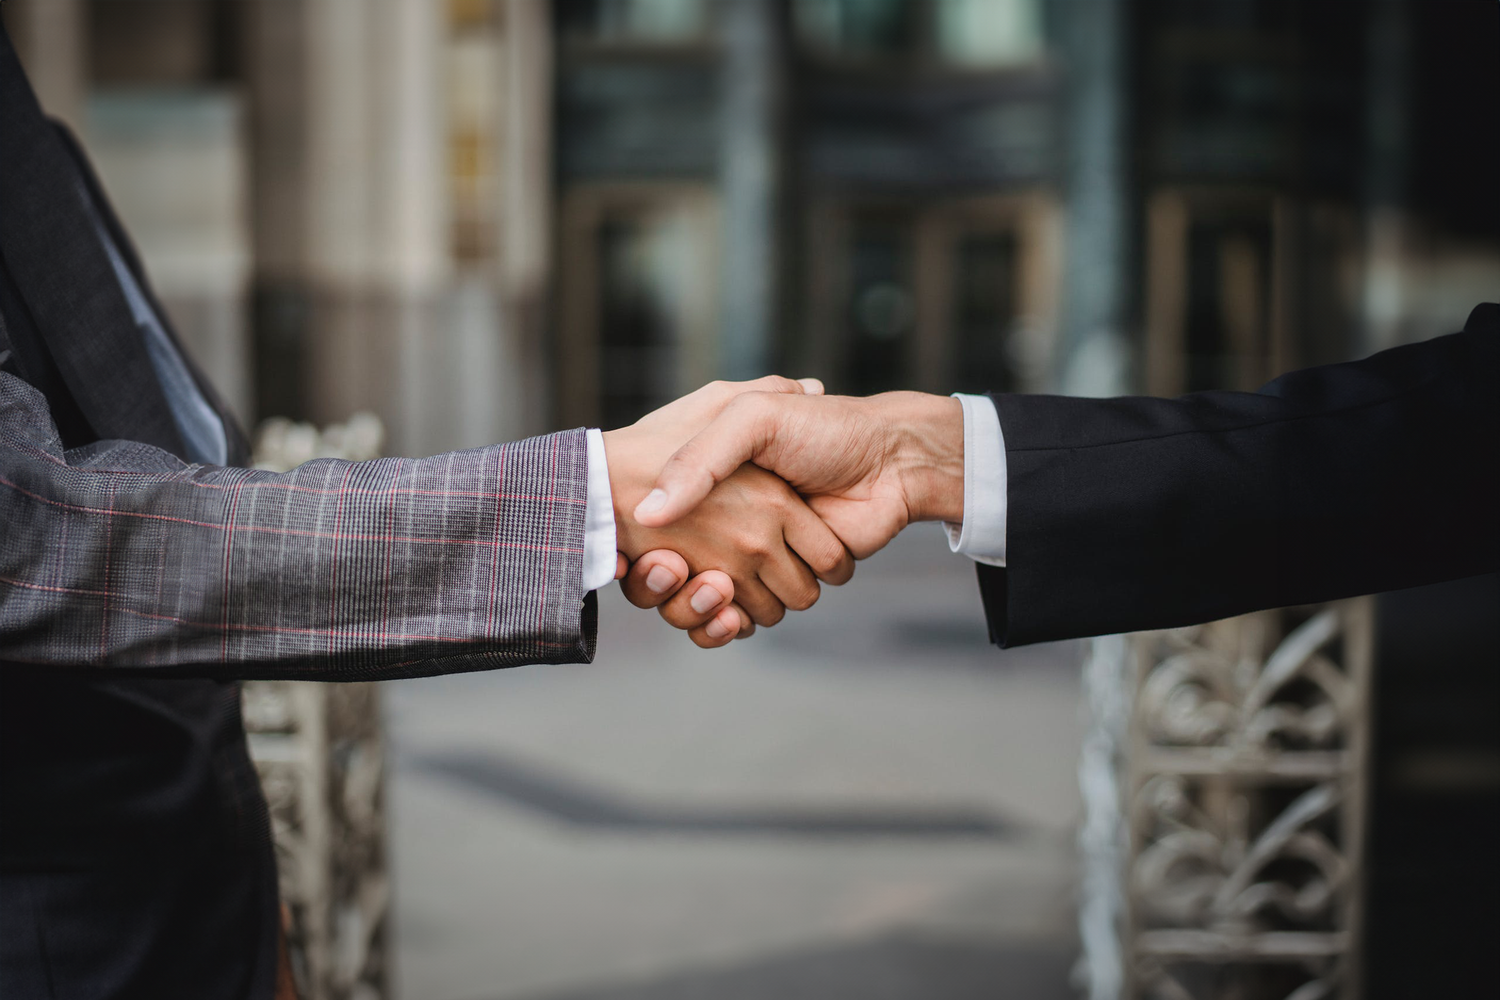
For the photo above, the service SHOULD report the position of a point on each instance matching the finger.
(696, 604)
(622, 565)
(654, 578)
(763, 606)
(724, 391)
(734, 617)
(815, 544)
(780, 383)
(864, 528)
(723, 628)
(789, 579)
(733, 438)
(747, 627)
(776, 383)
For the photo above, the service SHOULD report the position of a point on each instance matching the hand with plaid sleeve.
(119, 554)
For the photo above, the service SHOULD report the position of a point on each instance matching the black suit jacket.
(135, 849)
(1138, 513)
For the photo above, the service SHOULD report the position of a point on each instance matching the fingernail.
(811, 386)
(655, 501)
(716, 629)
(706, 599)
(659, 579)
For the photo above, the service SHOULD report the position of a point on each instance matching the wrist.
(624, 459)
(928, 435)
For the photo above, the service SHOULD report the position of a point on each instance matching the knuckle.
(753, 545)
(778, 383)
(831, 561)
(739, 404)
(679, 616)
(751, 403)
(771, 615)
(805, 598)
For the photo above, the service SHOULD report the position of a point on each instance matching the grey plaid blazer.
(135, 849)
(120, 555)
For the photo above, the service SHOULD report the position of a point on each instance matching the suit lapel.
(62, 272)
(239, 449)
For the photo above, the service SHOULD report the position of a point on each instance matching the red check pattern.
(119, 555)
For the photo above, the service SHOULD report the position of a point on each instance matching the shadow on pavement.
(572, 801)
(893, 968)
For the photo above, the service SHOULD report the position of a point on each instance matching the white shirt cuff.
(598, 519)
(982, 535)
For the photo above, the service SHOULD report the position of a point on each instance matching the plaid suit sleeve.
(118, 555)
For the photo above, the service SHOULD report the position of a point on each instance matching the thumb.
(774, 383)
(735, 437)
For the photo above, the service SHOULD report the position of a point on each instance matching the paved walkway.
(866, 801)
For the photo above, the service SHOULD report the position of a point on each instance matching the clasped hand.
(734, 503)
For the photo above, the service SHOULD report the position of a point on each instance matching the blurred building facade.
(481, 219)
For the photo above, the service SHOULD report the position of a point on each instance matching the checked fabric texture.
(119, 555)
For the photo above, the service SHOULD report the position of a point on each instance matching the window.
(1228, 294)
(965, 33)
(638, 21)
(881, 306)
(866, 27)
(474, 118)
(637, 301)
(988, 32)
(940, 295)
(643, 261)
(1244, 284)
(984, 311)
(160, 43)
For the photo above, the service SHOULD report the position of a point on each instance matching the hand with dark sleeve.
(1329, 482)
(1134, 513)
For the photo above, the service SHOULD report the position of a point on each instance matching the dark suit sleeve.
(1137, 513)
(117, 555)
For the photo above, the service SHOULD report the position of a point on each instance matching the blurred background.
(484, 219)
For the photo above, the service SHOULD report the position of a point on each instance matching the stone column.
(751, 184)
(527, 210)
(350, 222)
(1094, 357)
(423, 374)
(346, 353)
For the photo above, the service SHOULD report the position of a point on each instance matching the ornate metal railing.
(1224, 779)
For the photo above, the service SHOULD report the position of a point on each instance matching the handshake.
(734, 503)
(1107, 515)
